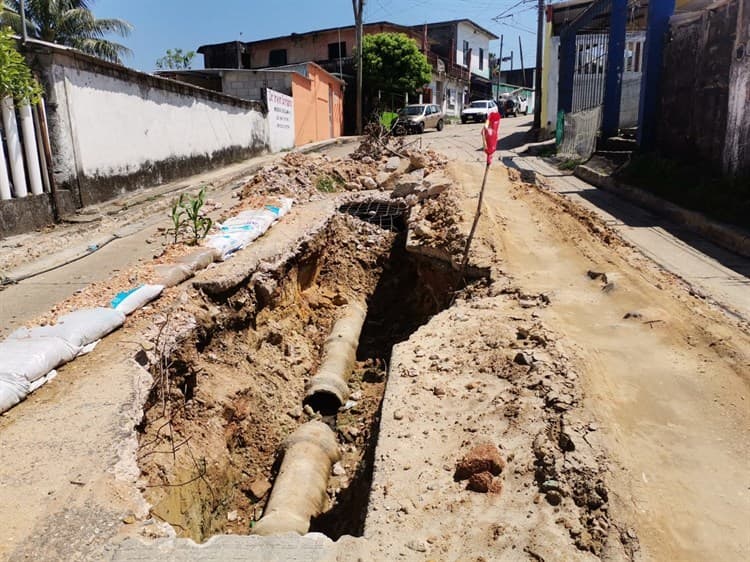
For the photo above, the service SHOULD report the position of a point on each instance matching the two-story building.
(458, 51)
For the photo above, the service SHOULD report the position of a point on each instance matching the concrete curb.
(730, 237)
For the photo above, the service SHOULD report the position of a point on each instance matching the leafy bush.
(15, 77)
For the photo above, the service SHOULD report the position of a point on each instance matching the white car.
(478, 110)
(523, 105)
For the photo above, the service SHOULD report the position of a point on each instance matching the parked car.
(508, 106)
(418, 117)
(478, 110)
(523, 105)
(513, 105)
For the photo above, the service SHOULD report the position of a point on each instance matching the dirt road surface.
(613, 381)
(669, 389)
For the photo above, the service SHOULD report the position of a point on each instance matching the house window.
(466, 53)
(336, 50)
(481, 59)
(277, 57)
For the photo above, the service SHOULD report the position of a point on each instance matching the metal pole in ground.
(465, 260)
(489, 138)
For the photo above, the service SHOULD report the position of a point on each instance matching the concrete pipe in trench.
(328, 390)
(299, 491)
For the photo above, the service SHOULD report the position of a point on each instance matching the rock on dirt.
(484, 483)
(259, 488)
(484, 457)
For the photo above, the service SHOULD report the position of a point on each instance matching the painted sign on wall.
(280, 120)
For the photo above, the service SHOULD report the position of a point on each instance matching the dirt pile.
(436, 228)
(307, 177)
(487, 382)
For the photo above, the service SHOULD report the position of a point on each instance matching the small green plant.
(547, 151)
(187, 217)
(326, 183)
(569, 164)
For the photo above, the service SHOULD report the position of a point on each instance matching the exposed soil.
(573, 402)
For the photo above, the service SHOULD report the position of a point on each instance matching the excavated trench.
(227, 396)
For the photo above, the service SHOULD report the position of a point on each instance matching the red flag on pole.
(489, 135)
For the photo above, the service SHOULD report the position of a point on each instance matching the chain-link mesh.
(579, 134)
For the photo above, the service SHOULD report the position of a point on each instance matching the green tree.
(392, 62)
(15, 77)
(175, 60)
(71, 23)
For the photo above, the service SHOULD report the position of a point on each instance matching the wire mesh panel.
(579, 134)
(386, 215)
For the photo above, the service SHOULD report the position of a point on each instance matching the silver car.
(418, 117)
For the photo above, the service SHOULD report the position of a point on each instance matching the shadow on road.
(631, 215)
(513, 140)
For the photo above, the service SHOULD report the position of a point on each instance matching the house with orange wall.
(318, 95)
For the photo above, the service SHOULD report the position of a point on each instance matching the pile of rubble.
(413, 175)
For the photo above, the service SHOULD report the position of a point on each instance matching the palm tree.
(68, 22)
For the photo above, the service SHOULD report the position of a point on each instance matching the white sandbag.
(13, 389)
(128, 302)
(261, 218)
(198, 259)
(41, 381)
(32, 358)
(284, 206)
(78, 328)
(229, 242)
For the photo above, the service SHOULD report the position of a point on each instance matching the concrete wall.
(737, 144)
(114, 129)
(477, 40)
(695, 86)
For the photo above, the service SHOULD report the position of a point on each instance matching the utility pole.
(523, 68)
(538, 71)
(499, 65)
(511, 61)
(358, 6)
(23, 21)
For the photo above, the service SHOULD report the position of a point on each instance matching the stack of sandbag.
(29, 356)
(239, 231)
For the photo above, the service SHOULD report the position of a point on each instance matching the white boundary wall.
(114, 129)
(121, 126)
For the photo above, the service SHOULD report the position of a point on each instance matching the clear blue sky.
(163, 24)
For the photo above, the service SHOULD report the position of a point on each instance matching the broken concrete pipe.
(328, 390)
(299, 491)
